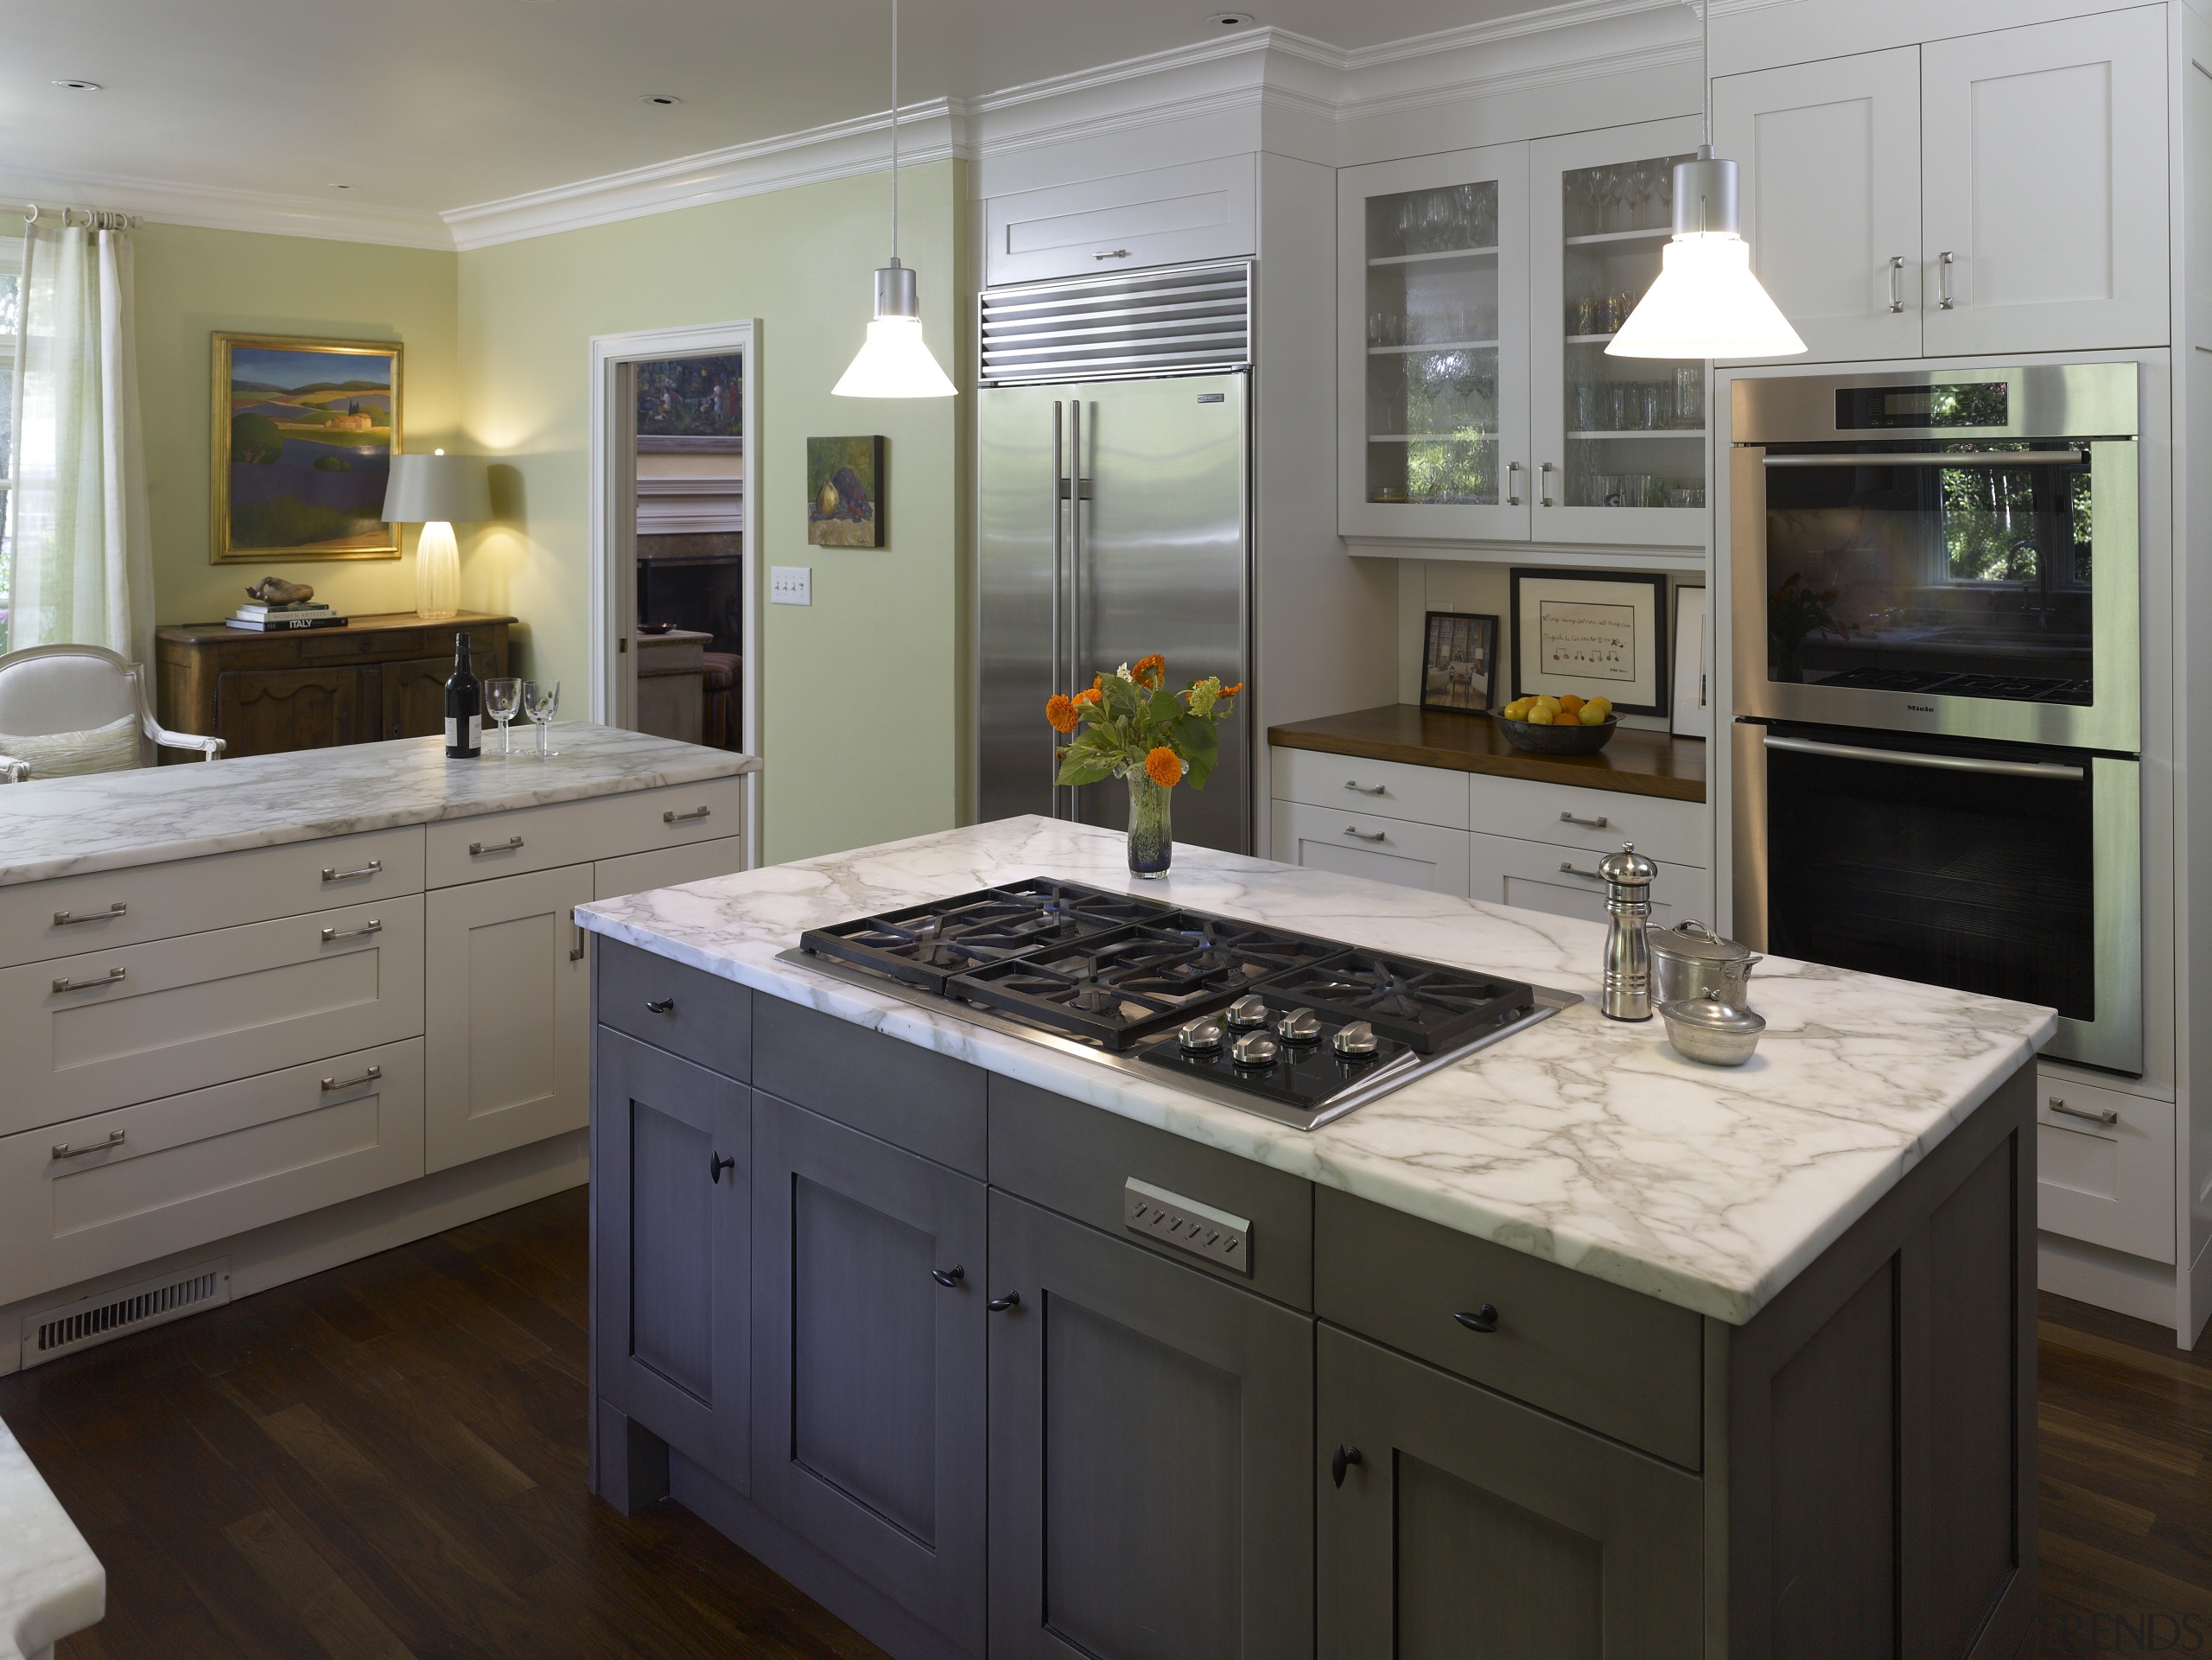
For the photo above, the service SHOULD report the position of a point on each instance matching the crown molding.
(217, 208)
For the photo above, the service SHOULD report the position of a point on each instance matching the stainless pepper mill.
(1628, 876)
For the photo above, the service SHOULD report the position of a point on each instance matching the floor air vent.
(56, 1332)
(1173, 321)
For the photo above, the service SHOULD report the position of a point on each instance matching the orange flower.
(1165, 767)
(1231, 691)
(1090, 697)
(1060, 711)
(1150, 671)
(1097, 683)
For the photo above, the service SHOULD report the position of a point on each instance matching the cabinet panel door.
(1150, 1498)
(1353, 843)
(507, 1015)
(1564, 882)
(415, 693)
(263, 711)
(2044, 180)
(1432, 382)
(671, 1246)
(1476, 1528)
(868, 1422)
(1828, 156)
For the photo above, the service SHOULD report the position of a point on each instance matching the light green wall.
(863, 695)
(190, 282)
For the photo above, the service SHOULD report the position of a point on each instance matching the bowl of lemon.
(1559, 726)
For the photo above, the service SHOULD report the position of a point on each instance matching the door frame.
(613, 505)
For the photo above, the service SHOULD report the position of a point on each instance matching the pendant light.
(894, 362)
(1706, 303)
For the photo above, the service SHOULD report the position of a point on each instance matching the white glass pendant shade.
(437, 572)
(1705, 304)
(896, 362)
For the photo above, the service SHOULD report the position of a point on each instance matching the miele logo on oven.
(1921, 709)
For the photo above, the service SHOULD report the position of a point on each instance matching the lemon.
(1538, 716)
(1592, 715)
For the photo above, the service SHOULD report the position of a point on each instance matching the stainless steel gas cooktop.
(1297, 1028)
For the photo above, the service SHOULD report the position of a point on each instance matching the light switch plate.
(790, 585)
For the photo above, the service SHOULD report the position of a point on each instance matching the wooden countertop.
(1635, 763)
(194, 634)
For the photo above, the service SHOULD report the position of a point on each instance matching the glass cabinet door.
(1620, 442)
(1433, 382)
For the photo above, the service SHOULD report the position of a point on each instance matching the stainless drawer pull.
(63, 1150)
(1367, 836)
(2108, 1116)
(372, 927)
(576, 951)
(1599, 822)
(1566, 869)
(476, 849)
(331, 1085)
(368, 869)
(107, 979)
(1944, 281)
(685, 817)
(70, 919)
(1368, 789)
(1112, 253)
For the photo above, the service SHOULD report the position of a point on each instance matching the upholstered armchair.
(80, 709)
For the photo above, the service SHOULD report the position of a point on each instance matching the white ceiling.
(427, 105)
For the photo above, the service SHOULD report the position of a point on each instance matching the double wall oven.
(1937, 740)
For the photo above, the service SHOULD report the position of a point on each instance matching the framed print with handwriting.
(1590, 632)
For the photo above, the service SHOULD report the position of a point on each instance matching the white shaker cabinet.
(1828, 156)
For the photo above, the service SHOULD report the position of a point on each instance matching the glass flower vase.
(1152, 840)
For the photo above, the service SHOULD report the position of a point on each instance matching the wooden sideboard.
(378, 677)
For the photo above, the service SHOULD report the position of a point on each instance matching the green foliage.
(333, 464)
(255, 440)
(286, 523)
(1129, 721)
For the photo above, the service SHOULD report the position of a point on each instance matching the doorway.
(674, 579)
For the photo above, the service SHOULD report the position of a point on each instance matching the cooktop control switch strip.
(1170, 1219)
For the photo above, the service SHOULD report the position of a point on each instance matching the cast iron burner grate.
(925, 944)
(1424, 1005)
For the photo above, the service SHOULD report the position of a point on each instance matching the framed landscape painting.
(304, 432)
(845, 485)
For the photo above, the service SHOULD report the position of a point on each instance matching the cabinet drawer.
(911, 1097)
(1595, 821)
(200, 1167)
(1204, 210)
(1564, 882)
(1076, 1160)
(577, 832)
(1426, 795)
(1626, 1365)
(193, 895)
(1381, 850)
(2111, 1183)
(686, 1011)
(148, 1021)
(636, 873)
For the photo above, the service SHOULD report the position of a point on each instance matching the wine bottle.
(464, 706)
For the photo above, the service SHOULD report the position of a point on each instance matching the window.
(11, 265)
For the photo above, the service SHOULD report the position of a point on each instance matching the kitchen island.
(1574, 1344)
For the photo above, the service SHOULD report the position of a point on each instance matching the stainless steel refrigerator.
(1116, 521)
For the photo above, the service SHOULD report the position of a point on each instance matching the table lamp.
(436, 492)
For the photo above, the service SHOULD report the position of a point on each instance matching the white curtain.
(84, 562)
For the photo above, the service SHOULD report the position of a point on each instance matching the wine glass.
(502, 697)
(540, 700)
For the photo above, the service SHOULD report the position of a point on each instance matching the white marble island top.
(106, 821)
(1581, 1140)
(51, 1584)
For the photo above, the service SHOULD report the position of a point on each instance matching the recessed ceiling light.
(76, 85)
(663, 99)
(1230, 19)
(340, 186)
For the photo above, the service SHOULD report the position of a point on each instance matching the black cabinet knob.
(1345, 1459)
(720, 1164)
(1000, 1305)
(949, 1277)
(660, 1006)
(1483, 1319)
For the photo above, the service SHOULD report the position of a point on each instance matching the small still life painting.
(304, 431)
(844, 483)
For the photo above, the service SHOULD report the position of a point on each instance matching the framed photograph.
(304, 432)
(845, 507)
(1592, 631)
(1693, 703)
(1458, 661)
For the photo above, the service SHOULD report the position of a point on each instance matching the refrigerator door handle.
(1057, 680)
(1075, 493)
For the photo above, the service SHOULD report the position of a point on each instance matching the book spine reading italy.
(283, 624)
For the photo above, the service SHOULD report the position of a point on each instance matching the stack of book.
(270, 619)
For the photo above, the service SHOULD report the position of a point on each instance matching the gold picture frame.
(300, 461)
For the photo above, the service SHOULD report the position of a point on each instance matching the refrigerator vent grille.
(1186, 320)
(108, 1314)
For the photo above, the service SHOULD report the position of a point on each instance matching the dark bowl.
(1575, 740)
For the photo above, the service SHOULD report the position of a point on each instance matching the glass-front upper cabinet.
(1433, 379)
(1619, 443)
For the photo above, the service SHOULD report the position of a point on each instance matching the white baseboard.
(2199, 1307)
(2106, 1279)
(302, 1245)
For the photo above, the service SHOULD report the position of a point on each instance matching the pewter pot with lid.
(1691, 962)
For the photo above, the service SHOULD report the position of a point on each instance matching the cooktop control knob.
(1254, 1049)
(1300, 1025)
(1201, 1037)
(1356, 1041)
(1248, 1012)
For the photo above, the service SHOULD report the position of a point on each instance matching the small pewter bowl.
(1714, 1033)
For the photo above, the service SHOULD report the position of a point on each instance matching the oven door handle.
(2050, 771)
(1970, 458)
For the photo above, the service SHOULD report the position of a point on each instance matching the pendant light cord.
(1703, 70)
(894, 131)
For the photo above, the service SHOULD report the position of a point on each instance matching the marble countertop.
(50, 1582)
(104, 821)
(1584, 1141)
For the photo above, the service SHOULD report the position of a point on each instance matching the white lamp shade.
(894, 363)
(1705, 304)
(428, 489)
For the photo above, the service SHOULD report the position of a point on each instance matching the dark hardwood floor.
(387, 1460)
